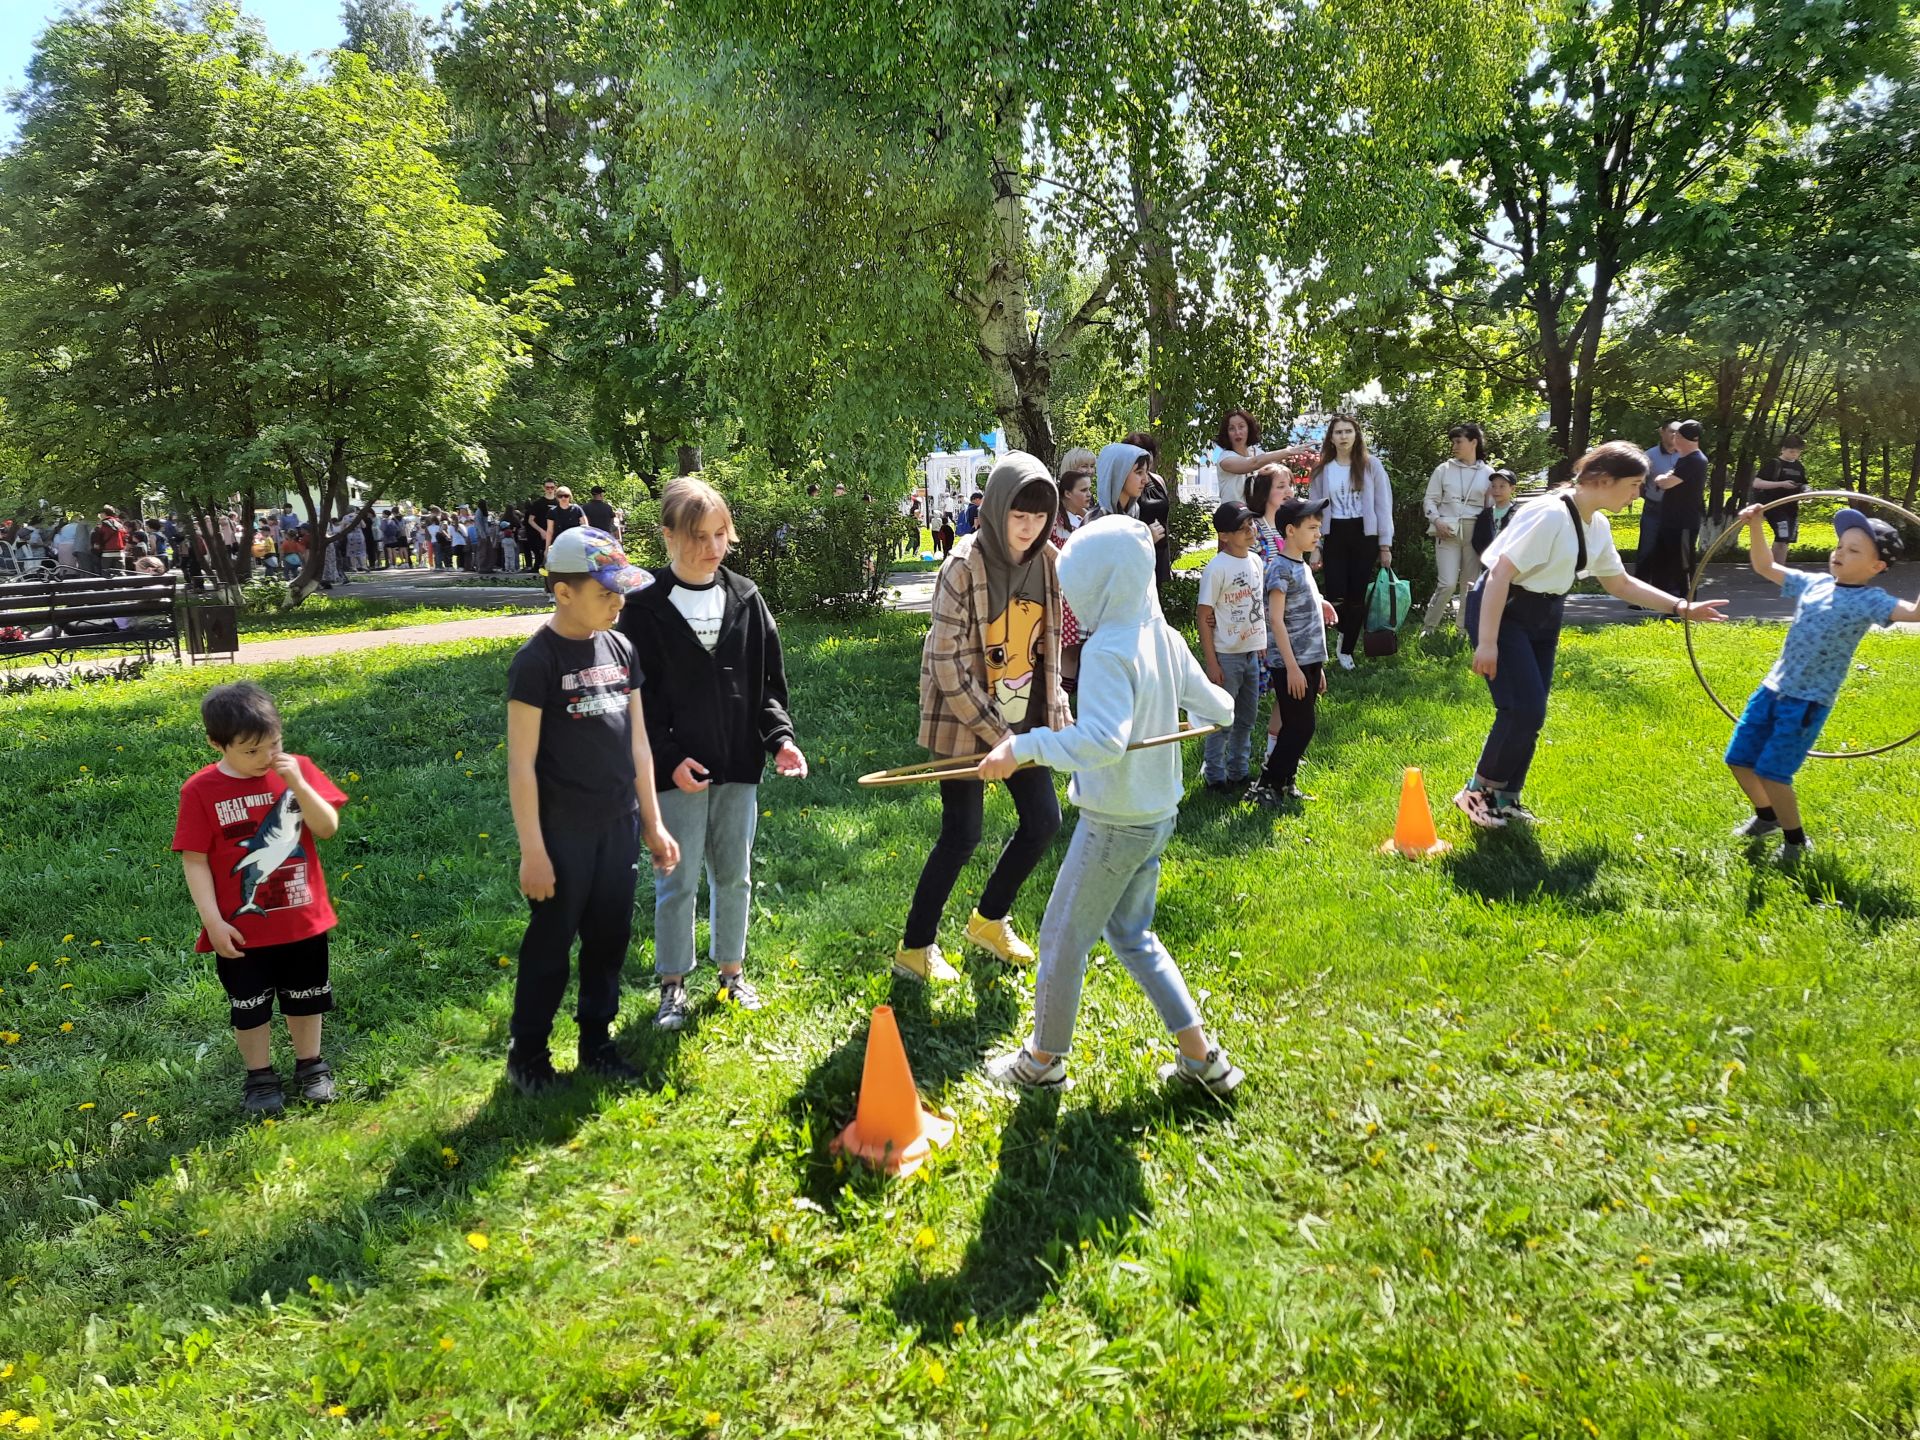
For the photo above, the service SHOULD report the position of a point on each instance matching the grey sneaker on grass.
(1755, 827)
(736, 989)
(674, 1011)
(1020, 1071)
(1216, 1074)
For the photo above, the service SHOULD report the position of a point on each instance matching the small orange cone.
(891, 1129)
(1413, 833)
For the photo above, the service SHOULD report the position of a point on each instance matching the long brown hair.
(1356, 461)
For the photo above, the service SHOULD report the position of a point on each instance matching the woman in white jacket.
(1455, 494)
(1358, 538)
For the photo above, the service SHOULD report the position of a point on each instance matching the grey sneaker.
(1754, 828)
(261, 1094)
(736, 989)
(674, 1011)
(1216, 1074)
(1020, 1071)
(1790, 854)
(1477, 806)
(315, 1079)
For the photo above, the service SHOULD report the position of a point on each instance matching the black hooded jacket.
(728, 709)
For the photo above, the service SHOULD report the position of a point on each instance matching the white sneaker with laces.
(1020, 1071)
(1346, 660)
(1216, 1074)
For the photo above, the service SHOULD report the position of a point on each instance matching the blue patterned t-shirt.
(1306, 630)
(1827, 625)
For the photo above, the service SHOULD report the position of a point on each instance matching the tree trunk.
(1593, 317)
(1162, 287)
(1759, 423)
(243, 565)
(1913, 475)
(1725, 404)
(687, 458)
(1556, 379)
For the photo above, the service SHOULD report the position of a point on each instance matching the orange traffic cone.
(1413, 834)
(891, 1129)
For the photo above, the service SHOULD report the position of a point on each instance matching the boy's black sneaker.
(1266, 795)
(315, 1079)
(603, 1060)
(1756, 827)
(674, 1011)
(260, 1093)
(532, 1072)
(1219, 787)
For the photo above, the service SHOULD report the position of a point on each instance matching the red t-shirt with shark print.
(266, 868)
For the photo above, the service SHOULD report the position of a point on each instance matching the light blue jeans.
(1227, 753)
(715, 829)
(1107, 886)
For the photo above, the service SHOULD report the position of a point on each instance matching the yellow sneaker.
(923, 962)
(998, 936)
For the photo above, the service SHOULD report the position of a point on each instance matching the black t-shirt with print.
(565, 517)
(581, 688)
(1791, 472)
(1686, 503)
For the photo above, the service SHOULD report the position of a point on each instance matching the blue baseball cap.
(1886, 540)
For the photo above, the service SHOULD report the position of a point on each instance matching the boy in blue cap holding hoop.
(1831, 614)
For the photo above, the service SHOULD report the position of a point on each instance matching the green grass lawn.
(1607, 1131)
(331, 614)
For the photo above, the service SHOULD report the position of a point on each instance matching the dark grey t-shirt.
(581, 689)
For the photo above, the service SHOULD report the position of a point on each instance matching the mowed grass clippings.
(1607, 1130)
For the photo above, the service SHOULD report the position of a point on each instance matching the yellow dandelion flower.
(67, 986)
(1643, 1259)
(959, 1327)
(459, 754)
(1300, 1392)
(9, 1037)
(1588, 1426)
(449, 1157)
(924, 1240)
(446, 1342)
(353, 774)
(142, 939)
(485, 836)
(505, 962)
(26, 1425)
(7, 1417)
(93, 942)
(336, 1410)
(153, 1119)
(33, 967)
(936, 1372)
(83, 769)
(66, 1027)
(64, 960)
(712, 1419)
(421, 876)
(131, 1115)
(67, 939)
(477, 1240)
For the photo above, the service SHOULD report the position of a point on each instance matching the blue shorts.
(1775, 733)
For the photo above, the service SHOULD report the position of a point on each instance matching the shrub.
(821, 553)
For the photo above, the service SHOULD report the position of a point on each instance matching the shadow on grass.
(432, 1178)
(1063, 1183)
(1829, 882)
(1509, 865)
(939, 1052)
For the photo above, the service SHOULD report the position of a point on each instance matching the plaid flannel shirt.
(958, 714)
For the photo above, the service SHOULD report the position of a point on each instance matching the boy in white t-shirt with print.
(1233, 638)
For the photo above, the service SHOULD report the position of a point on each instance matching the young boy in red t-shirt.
(246, 834)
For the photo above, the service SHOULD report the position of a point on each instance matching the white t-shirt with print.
(1232, 586)
(703, 606)
(1544, 548)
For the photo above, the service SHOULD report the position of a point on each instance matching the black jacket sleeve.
(776, 725)
(1482, 529)
(656, 695)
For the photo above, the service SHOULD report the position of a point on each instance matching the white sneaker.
(1346, 660)
(1216, 1074)
(1477, 806)
(1020, 1071)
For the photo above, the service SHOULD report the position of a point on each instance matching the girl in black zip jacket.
(715, 693)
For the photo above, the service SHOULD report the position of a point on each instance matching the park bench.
(61, 617)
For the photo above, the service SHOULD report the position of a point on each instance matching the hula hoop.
(967, 767)
(1700, 572)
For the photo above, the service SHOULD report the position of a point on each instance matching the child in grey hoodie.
(1136, 675)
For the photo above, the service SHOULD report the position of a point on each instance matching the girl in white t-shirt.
(715, 689)
(1514, 613)
(1358, 538)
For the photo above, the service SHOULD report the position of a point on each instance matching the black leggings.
(1297, 719)
(1351, 557)
(962, 805)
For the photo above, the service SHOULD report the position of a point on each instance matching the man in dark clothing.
(563, 515)
(600, 514)
(539, 512)
(1683, 510)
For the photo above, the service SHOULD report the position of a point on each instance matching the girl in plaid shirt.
(990, 668)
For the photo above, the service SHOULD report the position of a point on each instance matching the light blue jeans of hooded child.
(1107, 886)
(715, 829)
(1227, 753)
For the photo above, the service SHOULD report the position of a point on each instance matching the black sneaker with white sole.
(601, 1059)
(531, 1071)
(1478, 807)
(1514, 812)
